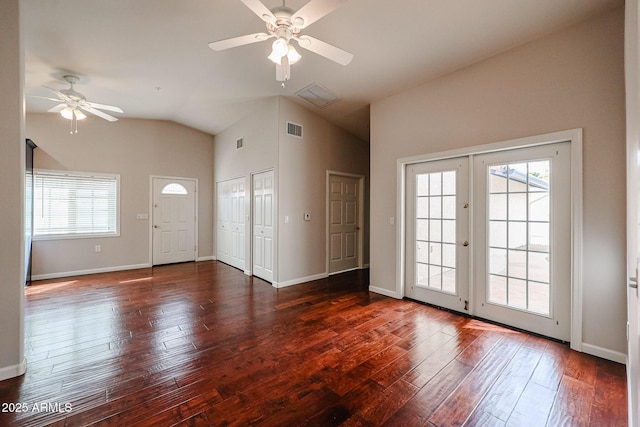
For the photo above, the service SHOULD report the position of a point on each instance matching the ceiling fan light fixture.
(293, 55)
(69, 112)
(279, 48)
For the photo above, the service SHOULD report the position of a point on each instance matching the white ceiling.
(150, 57)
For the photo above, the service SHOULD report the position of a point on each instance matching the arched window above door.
(174, 188)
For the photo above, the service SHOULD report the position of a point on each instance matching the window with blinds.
(73, 204)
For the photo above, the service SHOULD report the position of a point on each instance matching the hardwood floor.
(202, 344)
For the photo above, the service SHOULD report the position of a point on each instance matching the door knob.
(465, 243)
(155, 226)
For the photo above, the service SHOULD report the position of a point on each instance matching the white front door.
(174, 220)
(344, 227)
(263, 225)
(231, 222)
(437, 230)
(522, 238)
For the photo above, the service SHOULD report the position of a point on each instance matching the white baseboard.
(89, 271)
(247, 272)
(13, 370)
(604, 353)
(386, 292)
(299, 280)
(206, 258)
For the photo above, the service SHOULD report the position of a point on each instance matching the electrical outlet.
(98, 248)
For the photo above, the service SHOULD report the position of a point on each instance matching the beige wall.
(12, 160)
(571, 79)
(260, 143)
(302, 188)
(135, 149)
(300, 167)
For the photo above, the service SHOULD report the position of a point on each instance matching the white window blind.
(71, 204)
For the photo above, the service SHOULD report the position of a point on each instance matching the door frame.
(574, 137)
(150, 214)
(249, 256)
(361, 183)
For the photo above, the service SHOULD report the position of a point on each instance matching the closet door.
(231, 222)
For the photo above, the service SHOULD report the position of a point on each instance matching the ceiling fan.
(286, 25)
(72, 102)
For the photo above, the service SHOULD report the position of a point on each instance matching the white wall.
(135, 149)
(12, 165)
(570, 79)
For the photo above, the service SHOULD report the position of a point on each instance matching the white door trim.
(574, 136)
(150, 214)
(361, 186)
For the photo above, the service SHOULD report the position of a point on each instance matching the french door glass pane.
(436, 231)
(519, 224)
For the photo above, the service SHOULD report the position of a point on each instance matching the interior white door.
(522, 238)
(632, 78)
(231, 222)
(344, 227)
(174, 220)
(437, 233)
(263, 225)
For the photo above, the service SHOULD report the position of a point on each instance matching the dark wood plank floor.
(203, 344)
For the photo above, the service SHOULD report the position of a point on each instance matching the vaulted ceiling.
(151, 57)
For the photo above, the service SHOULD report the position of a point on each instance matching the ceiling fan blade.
(45, 97)
(331, 52)
(314, 10)
(239, 41)
(261, 10)
(98, 113)
(57, 108)
(61, 95)
(104, 107)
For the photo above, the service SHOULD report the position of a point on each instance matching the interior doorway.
(344, 221)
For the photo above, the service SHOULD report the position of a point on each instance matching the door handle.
(156, 226)
(465, 243)
(633, 282)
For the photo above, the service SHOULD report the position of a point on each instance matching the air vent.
(294, 130)
(317, 95)
(239, 143)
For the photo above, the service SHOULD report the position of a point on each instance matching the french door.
(521, 243)
(523, 238)
(437, 268)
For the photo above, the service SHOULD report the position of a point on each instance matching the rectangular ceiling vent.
(239, 143)
(317, 95)
(294, 130)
